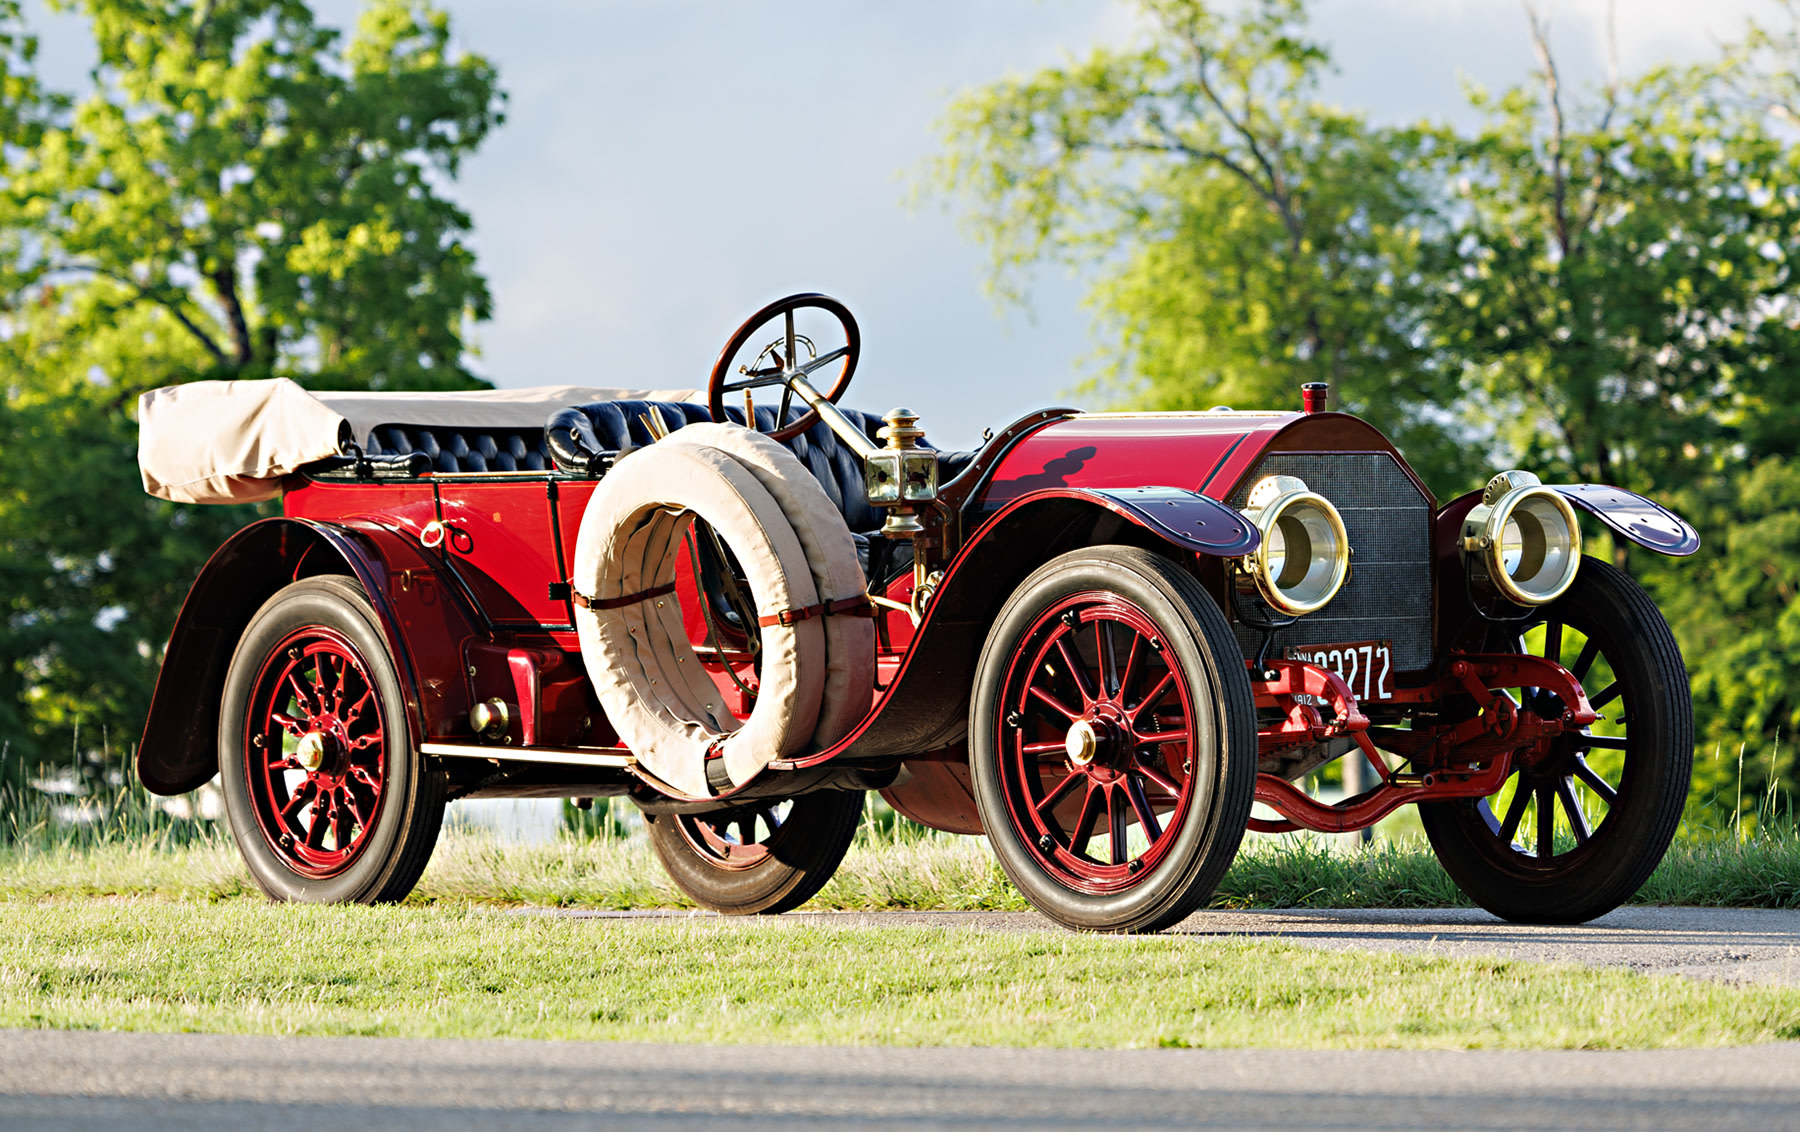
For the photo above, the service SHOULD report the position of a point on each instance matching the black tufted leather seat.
(579, 435)
(464, 449)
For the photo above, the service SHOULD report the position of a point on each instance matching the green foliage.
(1249, 238)
(239, 194)
(1596, 287)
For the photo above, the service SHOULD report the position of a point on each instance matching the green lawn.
(468, 971)
(881, 872)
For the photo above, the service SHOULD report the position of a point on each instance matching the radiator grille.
(1389, 523)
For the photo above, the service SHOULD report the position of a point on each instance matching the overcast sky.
(669, 166)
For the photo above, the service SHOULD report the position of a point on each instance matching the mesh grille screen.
(1388, 595)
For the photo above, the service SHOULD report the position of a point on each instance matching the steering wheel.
(780, 362)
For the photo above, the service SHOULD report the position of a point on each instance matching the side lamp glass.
(1304, 557)
(1522, 541)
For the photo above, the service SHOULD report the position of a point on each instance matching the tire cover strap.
(586, 602)
(846, 607)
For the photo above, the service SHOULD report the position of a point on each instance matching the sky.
(667, 167)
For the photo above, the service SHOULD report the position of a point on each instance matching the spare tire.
(645, 672)
(831, 555)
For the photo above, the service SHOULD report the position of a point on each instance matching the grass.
(885, 869)
(468, 971)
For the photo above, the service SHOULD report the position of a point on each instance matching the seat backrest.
(612, 426)
(464, 449)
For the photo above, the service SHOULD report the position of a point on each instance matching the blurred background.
(1550, 236)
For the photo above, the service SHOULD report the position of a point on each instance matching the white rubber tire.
(644, 671)
(831, 555)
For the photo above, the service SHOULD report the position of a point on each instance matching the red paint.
(317, 819)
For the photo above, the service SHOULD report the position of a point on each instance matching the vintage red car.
(1099, 640)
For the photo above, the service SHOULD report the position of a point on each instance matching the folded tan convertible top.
(233, 441)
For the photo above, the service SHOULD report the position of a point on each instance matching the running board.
(568, 756)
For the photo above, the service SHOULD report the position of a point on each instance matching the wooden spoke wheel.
(1587, 816)
(760, 857)
(1113, 741)
(327, 800)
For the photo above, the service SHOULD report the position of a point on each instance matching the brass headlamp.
(1521, 541)
(1304, 556)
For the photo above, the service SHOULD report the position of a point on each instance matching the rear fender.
(180, 746)
(927, 706)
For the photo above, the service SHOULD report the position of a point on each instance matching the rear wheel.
(1587, 817)
(1113, 741)
(763, 857)
(328, 801)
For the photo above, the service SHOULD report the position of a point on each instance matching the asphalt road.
(61, 1080)
(200, 1081)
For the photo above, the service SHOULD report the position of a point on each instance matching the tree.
(241, 194)
(1247, 237)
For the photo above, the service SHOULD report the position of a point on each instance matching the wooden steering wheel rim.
(716, 382)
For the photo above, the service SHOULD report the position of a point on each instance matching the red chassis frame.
(470, 577)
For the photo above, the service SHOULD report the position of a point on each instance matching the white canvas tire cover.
(831, 555)
(644, 670)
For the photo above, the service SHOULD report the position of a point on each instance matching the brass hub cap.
(310, 753)
(1082, 742)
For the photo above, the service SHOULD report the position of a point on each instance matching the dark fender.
(1632, 517)
(1627, 514)
(179, 751)
(926, 707)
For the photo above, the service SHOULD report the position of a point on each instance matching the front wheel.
(1112, 741)
(761, 857)
(1585, 819)
(329, 802)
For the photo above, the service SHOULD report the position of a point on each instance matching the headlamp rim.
(1289, 494)
(1492, 542)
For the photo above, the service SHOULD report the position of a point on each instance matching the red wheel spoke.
(1565, 790)
(1155, 696)
(1116, 826)
(302, 794)
(1043, 748)
(1594, 782)
(1155, 776)
(1131, 667)
(1055, 704)
(1084, 825)
(317, 823)
(1515, 813)
(1140, 805)
(354, 711)
(364, 742)
(1158, 738)
(300, 693)
(1108, 662)
(1077, 671)
(1057, 795)
(288, 724)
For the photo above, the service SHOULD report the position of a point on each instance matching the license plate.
(1367, 666)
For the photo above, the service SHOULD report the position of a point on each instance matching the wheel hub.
(313, 749)
(1082, 742)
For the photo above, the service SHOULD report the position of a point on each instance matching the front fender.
(1626, 514)
(926, 706)
(180, 746)
(1632, 517)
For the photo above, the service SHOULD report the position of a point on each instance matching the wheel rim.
(1095, 741)
(1560, 803)
(316, 751)
(737, 839)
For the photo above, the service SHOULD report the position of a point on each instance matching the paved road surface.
(53, 1080)
(199, 1081)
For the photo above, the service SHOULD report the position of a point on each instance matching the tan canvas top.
(233, 441)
